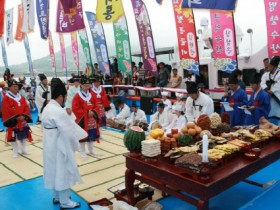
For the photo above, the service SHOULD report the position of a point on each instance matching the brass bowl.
(256, 151)
(250, 156)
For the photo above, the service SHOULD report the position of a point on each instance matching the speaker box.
(147, 104)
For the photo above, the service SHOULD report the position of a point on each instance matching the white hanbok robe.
(123, 115)
(39, 100)
(70, 94)
(275, 88)
(136, 116)
(112, 112)
(202, 105)
(161, 118)
(61, 137)
(177, 122)
(168, 105)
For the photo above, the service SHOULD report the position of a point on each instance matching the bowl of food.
(250, 156)
(256, 151)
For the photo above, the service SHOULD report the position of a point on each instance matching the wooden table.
(174, 180)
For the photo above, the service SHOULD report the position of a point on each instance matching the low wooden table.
(174, 180)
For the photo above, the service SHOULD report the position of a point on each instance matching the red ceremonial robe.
(13, 107)
(81, 105)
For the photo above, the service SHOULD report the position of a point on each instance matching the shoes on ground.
(70, 205)
(2, 130)
(83, 155)
(55, 201)
(38, 123)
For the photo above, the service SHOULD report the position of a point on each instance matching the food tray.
(122, 195)
(101, 202)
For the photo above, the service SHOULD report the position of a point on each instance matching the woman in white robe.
(60, 141)
(179, 121)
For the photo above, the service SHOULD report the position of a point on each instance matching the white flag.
(28, 16)
(9, 26)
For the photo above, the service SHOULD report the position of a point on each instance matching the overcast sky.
(248, 14)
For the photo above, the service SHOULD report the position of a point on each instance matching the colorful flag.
(28, 16)
(99, 43)
(69, 23)
(122, 43)
(4, 53)
(2, 15)
(19, 34)
(186, 35)
(69, 6)
(51, 48)
(85, 44)
(75, 50)
(145, 35)
(63, 53)
(223, 40)
(42, 9)
(28, 55)
(109, 11)
(210, 4)
(9, 26)
(272, 11)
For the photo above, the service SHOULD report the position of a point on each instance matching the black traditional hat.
(77, 79)
(134, 105)
(57, 88)
(160, 105)
(192, 87)
(275, 61)
(96, 78)
(85, 80)
(232, 80)
(12, 82)
(256, 79)
(71, 80)
(42, 77)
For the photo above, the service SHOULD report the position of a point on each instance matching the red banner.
(223, 40)
(2, 14)
(19, 34)
(272, 10)
(186, 34)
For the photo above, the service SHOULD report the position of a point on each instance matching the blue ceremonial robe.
(239, 98)
(262, 107)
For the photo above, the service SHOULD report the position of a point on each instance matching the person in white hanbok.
(73, 89)
(179, 101)
(271, 83)
(60, 141)
(123, 114)
(197, 103)
(112, 112)
(179, 121)
(160, 118)
(137, 115)
(167, 102)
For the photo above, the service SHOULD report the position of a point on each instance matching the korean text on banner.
(4, 53)
(109, 11)
(51, 48)
(69, 6)
(28, 16)
(99, 43)
(75, 49)
(210, 4)
(145, 35)
(2, 15)
(272, 11)
(9, 26)
(19, 34)
(186, 34)
(63, 53)
(70, 23)
(223, 40)
(123, 51)
(42, 8)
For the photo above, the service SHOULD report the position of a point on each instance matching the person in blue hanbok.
(259, 103)
(237, 98)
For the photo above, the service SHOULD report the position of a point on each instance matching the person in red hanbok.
(100, 96)
(16, 115)
(84, 106)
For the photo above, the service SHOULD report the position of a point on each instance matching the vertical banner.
(4, 53)
(272, 11)
(223, 40)
(109, 11)
(122, 43)
(51, 48)
(63, 53)
(68, 6)
(42, 10)
(210, 4)
(85, 44)
(9, 26)
(28, 55)
(75, 50)
(28, 16)
(2, 15)
(186, 35)
(99, 43)
(145, 35)
(68, 23)
(19, 34)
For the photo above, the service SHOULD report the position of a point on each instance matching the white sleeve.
(189, 110)
(265, 77)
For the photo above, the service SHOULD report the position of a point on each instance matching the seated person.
(112, 112)
(166, 102)
(179, 121)
(197, 103)
(160, 118)
(179, 101)
(136, 117)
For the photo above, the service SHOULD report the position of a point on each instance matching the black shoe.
(74, 206)
(2, 130)
(55, 201)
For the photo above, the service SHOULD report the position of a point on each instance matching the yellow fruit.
(154, 134)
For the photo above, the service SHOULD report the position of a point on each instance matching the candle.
(205, 149)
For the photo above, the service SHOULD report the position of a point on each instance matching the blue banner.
(42, 9)
(28, 55)
(99, 42)
(210, 4)
(4, 53)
